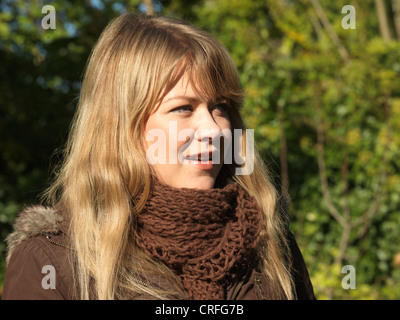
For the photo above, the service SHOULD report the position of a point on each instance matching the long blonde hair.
(104, 180)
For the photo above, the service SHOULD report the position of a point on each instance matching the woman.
(146, 205)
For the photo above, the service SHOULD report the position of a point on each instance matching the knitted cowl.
(205, 236)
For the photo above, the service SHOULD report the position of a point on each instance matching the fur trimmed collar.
(33, 221)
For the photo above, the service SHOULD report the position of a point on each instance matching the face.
(185, 137)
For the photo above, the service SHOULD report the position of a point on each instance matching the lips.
(202, 161)
(203, 157)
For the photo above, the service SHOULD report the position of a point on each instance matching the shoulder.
(35, 250)
(31, 222)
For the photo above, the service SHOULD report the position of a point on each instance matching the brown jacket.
(38, 266)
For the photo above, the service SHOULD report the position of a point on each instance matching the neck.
(202, 235)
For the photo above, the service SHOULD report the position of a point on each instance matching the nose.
(206, 126)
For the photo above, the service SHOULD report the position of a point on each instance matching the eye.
(221, 107)
(182, 109)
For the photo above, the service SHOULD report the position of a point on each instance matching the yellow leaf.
(353, 137)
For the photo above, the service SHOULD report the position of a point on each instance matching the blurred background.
(322, 94)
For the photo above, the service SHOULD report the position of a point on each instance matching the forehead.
(182, 89)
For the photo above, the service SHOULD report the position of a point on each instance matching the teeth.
(199, 159)
(208, 158)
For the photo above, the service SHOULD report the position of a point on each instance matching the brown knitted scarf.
(204, 236)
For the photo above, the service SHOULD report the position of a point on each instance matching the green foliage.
(294, 77)
(287, 59)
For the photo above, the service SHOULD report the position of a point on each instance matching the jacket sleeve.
(302, 282)
(32, 273)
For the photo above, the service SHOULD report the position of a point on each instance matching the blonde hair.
(105, 178)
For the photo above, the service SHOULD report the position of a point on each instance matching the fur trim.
(31, 222)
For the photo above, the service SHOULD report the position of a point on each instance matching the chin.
(197, 183)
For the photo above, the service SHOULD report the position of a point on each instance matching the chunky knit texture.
(205, 236)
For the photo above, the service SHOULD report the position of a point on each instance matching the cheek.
(183, 142)
(162, 143)
(225, 124)
(155, 139)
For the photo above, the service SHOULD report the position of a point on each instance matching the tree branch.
(321, 163)
(283, 150)
(345, 182)
(366, 218)
(383, 21)
(396, 13)
(329, 29)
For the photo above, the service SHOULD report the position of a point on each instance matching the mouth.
(202, 161)
(202, 157)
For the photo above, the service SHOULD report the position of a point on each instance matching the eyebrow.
(193, 99)
(182, 98)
